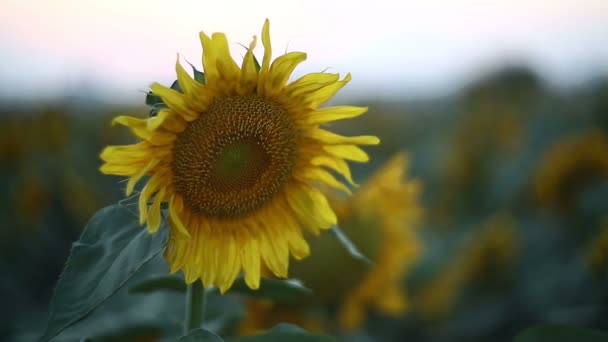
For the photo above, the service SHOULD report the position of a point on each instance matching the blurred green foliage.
(478, 153)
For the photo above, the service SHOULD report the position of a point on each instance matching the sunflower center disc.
(235, 157)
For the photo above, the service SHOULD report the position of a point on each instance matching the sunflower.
(237, 154)
(569, 166)
(392, 203)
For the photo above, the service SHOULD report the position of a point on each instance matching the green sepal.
(175, 86)
(199, 76)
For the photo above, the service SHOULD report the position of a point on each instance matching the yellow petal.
(250, 258)
(151, 187)
(328, 114)
(267, 46)
(249, 74)
(261, 87)
(199, 95)
(154, 213)
(336, 164)
(349, 152)
(318, 174)
(226, 66)
(126, 153)
(137, 177)
(209, 60)
(121, 170)
(336, 139)
(282, 67)
(175, 100)
(310, 83)
(175, 207)
(231, 264)
(320, 96)
(169, 120)
(310, 204)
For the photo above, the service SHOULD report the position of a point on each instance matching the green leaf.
(164, 282)
(113, 246)
(275, 289)
(200, 335)
(349, 245)
(284, 332)
(560, 333)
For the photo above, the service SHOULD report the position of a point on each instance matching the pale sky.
(396, 48)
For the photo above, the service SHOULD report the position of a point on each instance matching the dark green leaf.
(165, 282)
(349, 245)
(560, 333)
(284, 332)
(175, 86)
(113, 246)
(275, 289)
(200, 335)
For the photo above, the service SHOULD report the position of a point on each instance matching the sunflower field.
(241, 203)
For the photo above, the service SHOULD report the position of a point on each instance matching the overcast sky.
(396, 48)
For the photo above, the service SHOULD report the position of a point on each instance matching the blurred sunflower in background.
(235, 153)
(568, 167)
(485, 259)
(380, 219)
(597, 251)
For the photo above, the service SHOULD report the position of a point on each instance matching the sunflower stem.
(195, 306)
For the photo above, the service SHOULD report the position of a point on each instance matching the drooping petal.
(321, 96)
(310, 83)
(249, 73)
(329, 114)
(336, 139)
(137, 177)
(336, 164)
(281, 69)
(175, 100)
(349, 152)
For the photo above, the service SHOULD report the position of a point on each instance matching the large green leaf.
(284, 332)
(111, 249)
(200, 335)
(560, 333)
(275, 289)
(172, 283)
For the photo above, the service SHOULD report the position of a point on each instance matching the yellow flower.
(236, 158)
(568, 166)
(392, 202)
